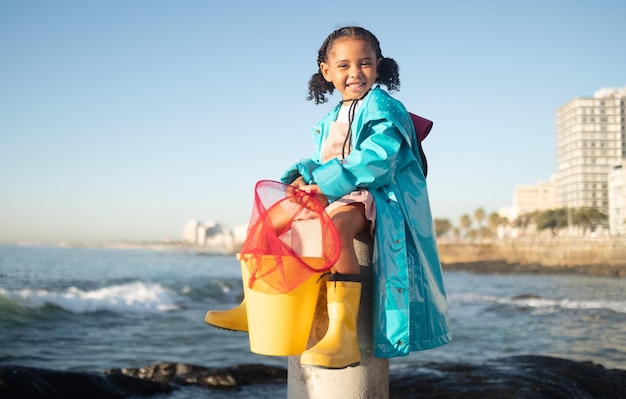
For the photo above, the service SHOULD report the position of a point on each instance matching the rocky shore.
(517, 377)
(538, 255)
(504, 267)
(593, 257)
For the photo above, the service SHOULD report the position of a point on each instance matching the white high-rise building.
(617, 200)
(211, 234)
(190, 232)
(591, 140)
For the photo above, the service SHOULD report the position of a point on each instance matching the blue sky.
(122, 120)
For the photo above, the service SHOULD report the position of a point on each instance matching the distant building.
(240, 233)
(210, 234)
(215, 235)
(530, 198)
(190, 232)
(617, 200)
(591, 141)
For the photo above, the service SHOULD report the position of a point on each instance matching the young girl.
(368, 169)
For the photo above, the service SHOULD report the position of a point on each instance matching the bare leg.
(279, 218)
(349, 220)
(340, 348)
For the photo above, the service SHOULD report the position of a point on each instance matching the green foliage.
(555, 219)
(442, 227)
(479, 216)
(466, 222)
(486, 232)
(588, 218)
(495, 220)
(523, 221)
(552, 219)
(456, 232)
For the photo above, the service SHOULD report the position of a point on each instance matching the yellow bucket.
(279, 324)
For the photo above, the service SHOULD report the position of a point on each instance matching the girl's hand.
(299, 182)
(314, 188)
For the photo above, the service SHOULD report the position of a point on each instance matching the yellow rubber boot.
(235, 319)
(339, 348)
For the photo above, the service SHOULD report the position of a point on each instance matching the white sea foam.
(544, 305)
(137, 297)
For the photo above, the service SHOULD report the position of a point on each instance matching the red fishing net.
(290, 237)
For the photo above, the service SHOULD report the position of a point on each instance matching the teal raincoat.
(410, 311)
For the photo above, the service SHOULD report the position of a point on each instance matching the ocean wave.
(544, 305)
(136, 297)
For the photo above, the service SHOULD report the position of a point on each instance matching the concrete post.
(369, 380)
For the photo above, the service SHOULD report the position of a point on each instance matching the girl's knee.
(349, 220)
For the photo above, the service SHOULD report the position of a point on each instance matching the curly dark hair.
(388, 70)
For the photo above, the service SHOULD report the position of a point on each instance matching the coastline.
(503, 267)
(602, 257)
(605, 257)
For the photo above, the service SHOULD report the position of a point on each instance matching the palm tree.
(494, 221)
(588, 218)
(466, 223)
(523, 221)
(456, 232)
(479, 216)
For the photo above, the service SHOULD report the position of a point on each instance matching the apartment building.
(617, 200)
(536, 197)
(591, 141)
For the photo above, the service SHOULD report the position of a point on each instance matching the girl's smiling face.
(351, 66)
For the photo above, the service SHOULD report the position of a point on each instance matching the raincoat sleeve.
(304, 168)
(370, 164)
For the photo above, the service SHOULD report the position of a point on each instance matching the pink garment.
(332, 149)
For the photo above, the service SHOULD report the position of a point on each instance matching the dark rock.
(525, 296)
(518, 377)
(17, 382)
(185, 374)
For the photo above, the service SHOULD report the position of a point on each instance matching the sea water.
(92, 309)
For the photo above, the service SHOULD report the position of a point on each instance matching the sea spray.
(135, 297)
